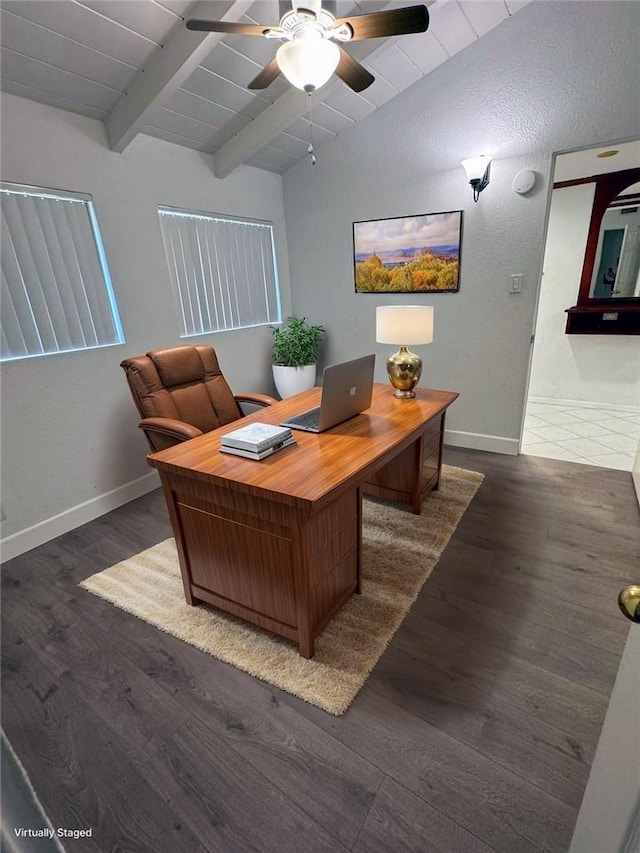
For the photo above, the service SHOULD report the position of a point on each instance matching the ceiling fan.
(312, 38)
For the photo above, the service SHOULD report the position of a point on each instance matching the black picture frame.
(408, 254)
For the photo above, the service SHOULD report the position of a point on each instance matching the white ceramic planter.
(293, 380)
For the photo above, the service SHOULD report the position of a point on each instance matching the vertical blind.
(223, 271)
(56, 293)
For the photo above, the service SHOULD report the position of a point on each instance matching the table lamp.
(404, 325)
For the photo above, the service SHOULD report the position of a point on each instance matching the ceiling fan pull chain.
(310, 148)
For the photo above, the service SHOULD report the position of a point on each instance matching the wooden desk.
(277, 542)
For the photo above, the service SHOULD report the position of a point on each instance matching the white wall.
(70, 444)
(588, 368)
(556, 76)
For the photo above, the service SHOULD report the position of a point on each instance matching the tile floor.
(594, 436)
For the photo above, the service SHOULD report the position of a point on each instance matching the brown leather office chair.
(181, 393)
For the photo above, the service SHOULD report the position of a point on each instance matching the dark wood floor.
(475, 732)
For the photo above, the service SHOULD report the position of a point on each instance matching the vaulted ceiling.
(133, 65)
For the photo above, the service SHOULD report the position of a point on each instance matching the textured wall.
(69, 426)
(554, 77)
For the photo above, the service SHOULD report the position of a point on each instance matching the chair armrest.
(177, 430)
(258, 399)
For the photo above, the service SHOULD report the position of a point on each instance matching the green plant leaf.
(296, 345)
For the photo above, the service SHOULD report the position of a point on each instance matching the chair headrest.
(178, 365)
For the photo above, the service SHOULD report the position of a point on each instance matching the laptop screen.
(346, 391)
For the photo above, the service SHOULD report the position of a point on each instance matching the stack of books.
(256, 441)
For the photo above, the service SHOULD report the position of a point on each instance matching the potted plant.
(295, 352)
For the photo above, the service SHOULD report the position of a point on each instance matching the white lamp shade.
(404, 325)
(475, 167)
(308, 62)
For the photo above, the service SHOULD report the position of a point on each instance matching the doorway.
(583, 401)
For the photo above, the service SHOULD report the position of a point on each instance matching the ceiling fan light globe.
(308, 63)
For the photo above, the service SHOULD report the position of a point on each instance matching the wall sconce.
(404, 325)
(478, 170)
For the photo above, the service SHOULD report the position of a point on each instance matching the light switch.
(516, 284)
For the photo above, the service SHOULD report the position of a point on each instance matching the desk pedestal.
(414, 472)
(266, 562)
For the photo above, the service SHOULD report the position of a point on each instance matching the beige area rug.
(400, 551)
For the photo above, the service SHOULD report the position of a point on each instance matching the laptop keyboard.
(310, 419)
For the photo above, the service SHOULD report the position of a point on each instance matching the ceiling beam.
(168, 68)
(264, 127)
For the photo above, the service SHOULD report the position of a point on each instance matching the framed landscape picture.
(408, 254)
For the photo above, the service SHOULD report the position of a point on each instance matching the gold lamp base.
(404, 369)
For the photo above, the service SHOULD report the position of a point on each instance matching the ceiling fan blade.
(266, 76)
(225, 27)
(393, 22)
(352, 73)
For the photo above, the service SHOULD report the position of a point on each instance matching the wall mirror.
(608, 297)
(612, 256)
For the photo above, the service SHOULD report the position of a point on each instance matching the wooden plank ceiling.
(133, 65)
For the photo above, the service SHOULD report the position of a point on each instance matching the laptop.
(346, 391)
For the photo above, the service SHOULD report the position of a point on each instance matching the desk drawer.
(430, 465)
(434, 427)
(334, 589)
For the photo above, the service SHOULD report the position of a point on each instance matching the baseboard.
(44, 531)
(478, 441)
(583, 404)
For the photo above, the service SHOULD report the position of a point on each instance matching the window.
(223, 271)
(56, 293)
